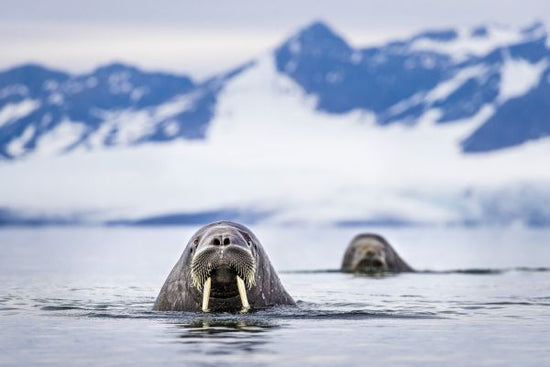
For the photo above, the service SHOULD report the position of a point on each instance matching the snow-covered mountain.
(46, 110)
(447, 126)
(452, 73)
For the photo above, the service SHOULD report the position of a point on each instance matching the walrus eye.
(247, 239)
(194, 246)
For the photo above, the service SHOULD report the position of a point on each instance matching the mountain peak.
(115, 67)
(317, 39)
(33, 70)
(319, 31)
(318, 28)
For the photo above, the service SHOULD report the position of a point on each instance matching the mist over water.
(83, 296)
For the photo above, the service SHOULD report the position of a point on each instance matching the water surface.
(83, 296)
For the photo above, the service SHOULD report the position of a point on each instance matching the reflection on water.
(225, 336)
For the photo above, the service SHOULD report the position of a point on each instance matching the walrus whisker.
(206, 294)
(206, 261)
(242, 294)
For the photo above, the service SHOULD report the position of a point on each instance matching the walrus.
(371, 253)
(223, 268)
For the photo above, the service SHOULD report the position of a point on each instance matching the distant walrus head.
(371, 253)
(223, 268)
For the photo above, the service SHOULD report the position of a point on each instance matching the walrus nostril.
(370, 253)
(216, 242)
(226, 241)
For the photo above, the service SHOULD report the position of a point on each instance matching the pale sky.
(204, 37)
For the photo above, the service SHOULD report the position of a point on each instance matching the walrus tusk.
(242, 294)
(206, 294)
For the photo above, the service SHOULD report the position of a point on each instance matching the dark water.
(84, 297)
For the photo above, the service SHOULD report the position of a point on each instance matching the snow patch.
(45, 121)
(17, 146)
(172, 128)
(73, 87)
(428, 62)
(56, 99)
(446, 88)
(50, 85)
(127, 127)
(405, 104)
(138, 93)
(119, 83)
(16, 89)
(518, 77)
(466, 45)
(176, 106)
(14, 111)
(65, 134)
(295, 46)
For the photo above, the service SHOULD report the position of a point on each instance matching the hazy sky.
(203, 37)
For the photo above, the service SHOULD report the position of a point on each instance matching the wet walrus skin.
(371, 253)
(220, 262)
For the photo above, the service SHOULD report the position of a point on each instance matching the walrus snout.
(210, 259)
(223, 267)
(373, 264)
(371, 259)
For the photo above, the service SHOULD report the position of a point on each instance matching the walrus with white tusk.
(224, 268)
(371, 253)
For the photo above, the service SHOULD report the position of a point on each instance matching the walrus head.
(223, 268)
(369, 256)
(371, 253)
(223, 265)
